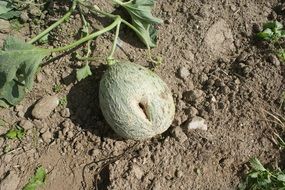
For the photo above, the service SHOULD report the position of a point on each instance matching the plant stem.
(86, 27)
(96, 10)
(110, 57)
(54, 25)
(89, 37)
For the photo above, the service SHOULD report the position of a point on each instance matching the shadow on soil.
(83, 102)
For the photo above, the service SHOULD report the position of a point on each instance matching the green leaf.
(274, 25)
(44, 39)
(272, 31)
(15, 133)
(4, 7)
(256, 165)
(254, 174)
(19, 63)
(7, 12)
(281, 177)
(84, 72)
(142, 19)
(281, 54)
(267, 34)
(37, 180)
(9, 15)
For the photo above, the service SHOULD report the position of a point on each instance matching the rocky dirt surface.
(224, 82)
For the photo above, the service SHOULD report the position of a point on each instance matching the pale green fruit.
(135, 102)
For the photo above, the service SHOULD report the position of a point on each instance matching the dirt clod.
(45, 106)
(47, 136)
(11, 181)
(26, 124)
(179, 135)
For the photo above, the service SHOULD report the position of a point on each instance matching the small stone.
(197, 123)
(274, 60)
(19, 108)
(45, 106)
(65, 113)
(70, 134)
(179, 135)
(191, 112)
(156, 186)
(203, 78)
(11, 181)
(24, 16)
(183, 73)
(47, 137)
(26, 124)
(94, 152)
(193, 96)
(21, 114)
(178, 173)
(39, 77)
(137, 171)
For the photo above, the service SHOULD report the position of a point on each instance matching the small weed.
(15, 133)
(15, 25)
(272, 31)
(63, 101)
(57, 88)
(37, 180)
(260, 178)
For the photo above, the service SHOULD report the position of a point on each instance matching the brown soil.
(234, 77)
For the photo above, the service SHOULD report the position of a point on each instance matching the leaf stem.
(110, 59)
(89, 37)
(54, 25)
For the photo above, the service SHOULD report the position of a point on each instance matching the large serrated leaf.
(19, 63)
(142, 19)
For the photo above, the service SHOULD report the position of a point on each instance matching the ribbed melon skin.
(135, 102)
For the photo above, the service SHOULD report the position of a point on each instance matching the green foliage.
(281, 54)
(272, 31)
(37, 180)
(57, 88)
(142, 19)
(15, 133)
(63, 101)
(7, 11)
(83, 73)
(44, 39)
(260, 178)
(15, 25)
(19, 63)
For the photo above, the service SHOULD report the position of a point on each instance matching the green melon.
(135, 102)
